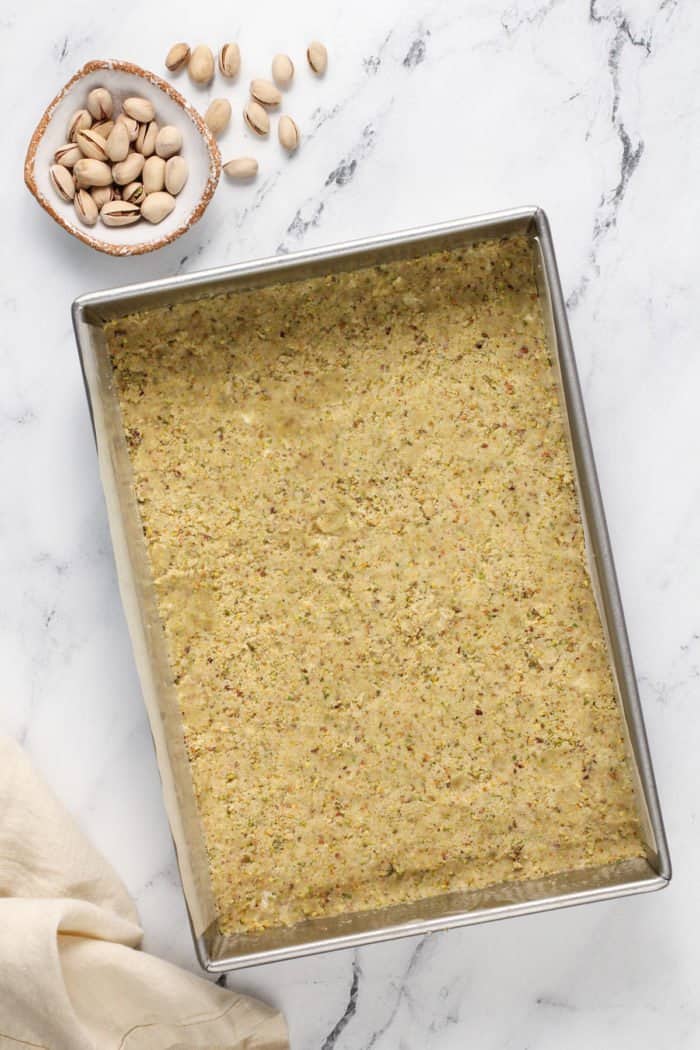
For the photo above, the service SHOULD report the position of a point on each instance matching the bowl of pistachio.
(121, 160)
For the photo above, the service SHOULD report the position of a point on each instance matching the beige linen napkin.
(71, 977)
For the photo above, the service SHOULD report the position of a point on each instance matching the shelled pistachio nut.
(100, 104)
(90, 172)
(168, 141)
(134, 192)
(67, 154)
(176, 172)
(157, 206)
(128, 170)
(265, 92)
(177, 57)
(153, 176)
(120, 213)
(218, 115)
(117, 146)
(131, 125)
(146, 138)
(80, 120)
(62, 182)
(201, 65)
(139, 109)
(85, 207)
(229, 60)
(256, 118)
(241, 168)
(317, 57)
(288, 133)
(282, 70)
(91, 144)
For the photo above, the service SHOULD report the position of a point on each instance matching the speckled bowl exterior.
(200, 150)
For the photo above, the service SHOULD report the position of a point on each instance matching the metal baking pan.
(216, 952)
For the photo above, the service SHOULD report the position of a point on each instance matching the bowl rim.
(196, 118)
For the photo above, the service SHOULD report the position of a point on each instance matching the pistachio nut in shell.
(100, 104)
(146, 138)
(265, 92)
(134, 192)
(62, 182)
(256, 118)
(168, 141)
(288, 133)
(229, 60)
(218, 115)
(103, 194)
(90, 172)
(176, 172)
(80, 120)
(120, 213)
(103, 128)
(157, 206)
(177, 57)
(128, 170)
(317, 57)
(91, 144)
(67, 154)
(131, 125)
(282, 70)
(153, 176)
(117, 146)
(241, 168)
(85, 208)
(201, 65)
(139, 109)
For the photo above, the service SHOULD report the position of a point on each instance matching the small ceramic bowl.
(122, 80)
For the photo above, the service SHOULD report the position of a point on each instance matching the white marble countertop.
(429, 111)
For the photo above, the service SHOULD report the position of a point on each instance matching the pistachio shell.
(201, 65)
(317, 57)
(176, 172)
(282, 70)
(67, 154)
(168, 141)
(103, 128)
(229, 60)
(62, 181)
(128, 170)
(154, 174)
(288, 133)
(117, 146)
(131, 125)
(139, 109)
(157, 206)
(103, 194)
(99, 103)
(80, 120)
(265, 92)
(241, 168)
(91, 144)
(146, 138)
(91, 172)
(134, 192)
(256, 118)
(218, 115)
(120, 213)
(177, 57)
(85, 208)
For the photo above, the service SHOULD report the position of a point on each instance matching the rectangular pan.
(218, 953)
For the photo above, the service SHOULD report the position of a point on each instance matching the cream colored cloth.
(71, 977)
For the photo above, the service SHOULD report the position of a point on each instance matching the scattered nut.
(168, 141)
(62, 181)
(120, 213)
(157, 206)
(153, 174)
(134, 192)
(85, 208)
(282, 70)
(288, 133)
(201, 65)
(131, 125)
(91, 172)
(139, 109)
(67, 154)
(99, 104)
(146, 138)
(177, 57)
(91, 144)
(218, 115)
(80, 120)
(117, 145)
(103, 195)
(128, 170)
(229, 60)
(241, 168)
(317, 57)
(176, 172)
(265, 92)
(256, 118)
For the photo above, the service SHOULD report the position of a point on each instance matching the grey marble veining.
(429, 111)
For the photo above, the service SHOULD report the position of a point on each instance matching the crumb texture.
(361, 519)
